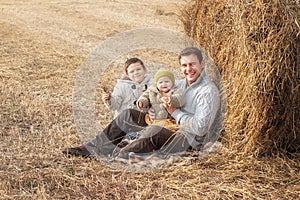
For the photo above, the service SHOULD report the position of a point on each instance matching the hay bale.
(255, 45)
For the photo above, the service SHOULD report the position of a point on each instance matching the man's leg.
(178, 144)
(105, 142)
(152, 138)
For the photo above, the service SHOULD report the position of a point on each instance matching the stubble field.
(43, 44)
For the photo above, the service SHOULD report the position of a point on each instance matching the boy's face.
(164, 84)
(191, 68)
(136, 72)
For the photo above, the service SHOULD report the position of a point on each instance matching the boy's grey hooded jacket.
(125, 94)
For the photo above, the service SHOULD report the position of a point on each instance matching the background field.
(43, 44)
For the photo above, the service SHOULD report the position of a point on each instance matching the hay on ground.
(255, 45)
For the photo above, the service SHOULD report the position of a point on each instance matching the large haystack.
(256, 46)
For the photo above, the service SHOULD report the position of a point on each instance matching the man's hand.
(151, 113)
(170, 109)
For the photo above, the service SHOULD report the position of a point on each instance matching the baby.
(161, 94)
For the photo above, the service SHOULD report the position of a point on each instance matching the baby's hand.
(140, 104)
(166, 100)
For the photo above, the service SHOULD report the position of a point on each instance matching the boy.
(127, 90)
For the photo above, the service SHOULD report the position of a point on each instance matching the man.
(195, 118)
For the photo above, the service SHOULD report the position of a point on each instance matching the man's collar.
(199, 79)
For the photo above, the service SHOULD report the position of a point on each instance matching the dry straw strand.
(255, 45)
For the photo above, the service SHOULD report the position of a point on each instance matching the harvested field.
(43, 44)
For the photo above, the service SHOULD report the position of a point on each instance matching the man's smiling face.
(191, 67)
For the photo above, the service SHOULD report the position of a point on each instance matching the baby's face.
(164, 84)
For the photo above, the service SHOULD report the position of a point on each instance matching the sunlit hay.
(255, 45)
(37, 76)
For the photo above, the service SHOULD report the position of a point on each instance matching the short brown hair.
(131, 61)
(189, 51)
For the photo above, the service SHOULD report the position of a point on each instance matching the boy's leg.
(105, 142)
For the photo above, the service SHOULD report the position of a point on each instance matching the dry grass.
(37, 74)
(255, 45)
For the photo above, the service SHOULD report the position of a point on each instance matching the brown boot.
(77, 151)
